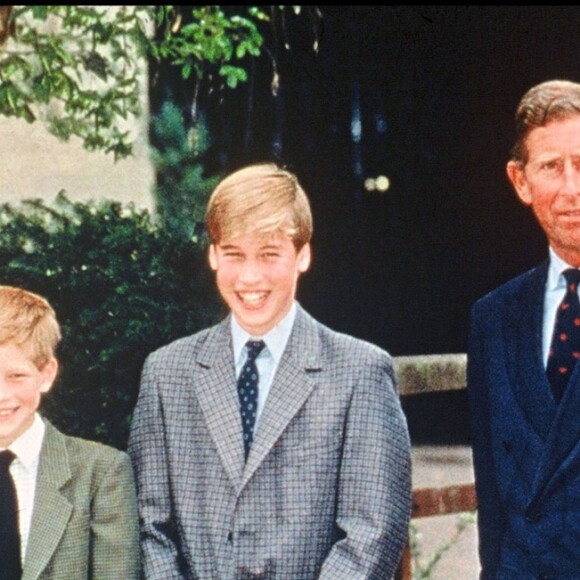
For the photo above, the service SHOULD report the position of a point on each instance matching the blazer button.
(532, 515)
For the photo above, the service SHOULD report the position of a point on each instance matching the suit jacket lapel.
(557, 425)
(523, 336)
(215, 388)
(52, 510)
(563, 438)
(290, 388)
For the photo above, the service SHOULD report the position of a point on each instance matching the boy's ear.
(304, 258)
(212, 257)
(48, 372)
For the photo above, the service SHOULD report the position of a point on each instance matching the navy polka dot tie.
(565, 347)
(248, 392)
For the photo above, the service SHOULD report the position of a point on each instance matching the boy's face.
(257, 276)
(21, 384)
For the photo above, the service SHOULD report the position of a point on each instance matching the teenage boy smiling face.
(257, 276)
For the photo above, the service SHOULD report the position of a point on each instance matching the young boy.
(302, 470)
(68, 506)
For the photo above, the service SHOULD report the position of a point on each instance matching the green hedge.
(121, 287)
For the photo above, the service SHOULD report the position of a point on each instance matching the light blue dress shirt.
(268, 360)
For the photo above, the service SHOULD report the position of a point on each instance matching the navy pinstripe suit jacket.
(325, 492)
(526, 449)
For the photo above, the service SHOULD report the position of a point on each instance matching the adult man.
(523, 385)
(316, 482)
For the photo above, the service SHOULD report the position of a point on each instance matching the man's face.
(257, 276)
(550, 183)
(21, 384)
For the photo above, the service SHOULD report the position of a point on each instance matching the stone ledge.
(431, 373)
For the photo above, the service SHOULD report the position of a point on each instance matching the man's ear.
(212, 258)
(517, 176)
(304, 258)
(48, 375)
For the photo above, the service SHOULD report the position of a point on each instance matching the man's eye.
(550, 166)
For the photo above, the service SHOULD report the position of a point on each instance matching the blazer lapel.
(215, 388)
(51, 511)
(524, 359)
(290, 389)
(563, 438)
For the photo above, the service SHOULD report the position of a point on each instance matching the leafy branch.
(77, 68)
(80, 69)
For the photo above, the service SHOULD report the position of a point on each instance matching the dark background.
(435, 88)
(402, 268)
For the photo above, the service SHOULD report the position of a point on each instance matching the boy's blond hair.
(28, 321)
(261, 198)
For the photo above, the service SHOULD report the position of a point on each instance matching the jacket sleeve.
(490, 518)
(374, 493)
(159, 539)
(114, 523)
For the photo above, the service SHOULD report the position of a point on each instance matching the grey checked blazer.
(84, 522)
(326, 490)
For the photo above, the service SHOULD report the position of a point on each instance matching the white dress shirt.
(555, 290)
(268, 360)
(23, 470)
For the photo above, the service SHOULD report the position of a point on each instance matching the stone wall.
(34, 164)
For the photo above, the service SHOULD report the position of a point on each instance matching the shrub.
(121, 287)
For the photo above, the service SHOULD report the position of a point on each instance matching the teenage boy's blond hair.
(28, 321)
(263, 199)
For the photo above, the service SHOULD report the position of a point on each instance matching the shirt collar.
(27, 446)
(557, 266)
(275, 339)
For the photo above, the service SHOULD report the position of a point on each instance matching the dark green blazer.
(84, 520)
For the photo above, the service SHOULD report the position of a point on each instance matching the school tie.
(565, 347)
(10, 567)
(248, 392)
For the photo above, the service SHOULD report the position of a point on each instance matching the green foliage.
(181, 191)
(79, 69)
(121, 287)
(211, 42)
(423, 570)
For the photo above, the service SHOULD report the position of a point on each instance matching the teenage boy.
(68, 506)
(302, 470)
